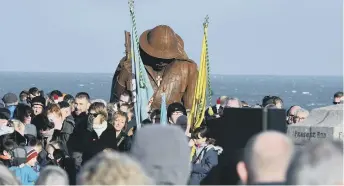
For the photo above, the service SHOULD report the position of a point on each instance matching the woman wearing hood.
(206, 156)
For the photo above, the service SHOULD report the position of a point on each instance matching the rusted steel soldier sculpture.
(167, 65)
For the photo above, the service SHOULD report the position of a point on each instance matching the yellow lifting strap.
(197, 112)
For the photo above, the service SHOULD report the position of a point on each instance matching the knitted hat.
(10, 98)
(38, 100)
(174, 107)
(31, 154)
(64, 104)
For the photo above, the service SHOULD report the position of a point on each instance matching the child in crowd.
(24, 172)
(36, 145)
(5, 154)
(205, 157)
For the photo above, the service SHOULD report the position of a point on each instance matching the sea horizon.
(212, 74)
(308, 91)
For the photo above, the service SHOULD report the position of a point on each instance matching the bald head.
(266, 157)
(293, 109)
(291, 113)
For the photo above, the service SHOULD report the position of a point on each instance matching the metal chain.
(132, 14)
(210, 92)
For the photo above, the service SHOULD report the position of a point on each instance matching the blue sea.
(307, 91)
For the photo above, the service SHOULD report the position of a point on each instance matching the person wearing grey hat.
(11, 102)
(165, 156)
(10, 99)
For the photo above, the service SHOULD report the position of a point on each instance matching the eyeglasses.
(336, 103)
(94, 114)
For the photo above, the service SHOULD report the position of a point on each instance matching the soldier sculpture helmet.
(162, 42)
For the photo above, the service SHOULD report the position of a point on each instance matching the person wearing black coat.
(93, 144)
(101, 136)
(123, 142)
(120, 123)
(66, 132)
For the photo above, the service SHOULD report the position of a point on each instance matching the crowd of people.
(58, 138)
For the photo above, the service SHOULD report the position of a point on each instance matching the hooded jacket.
(203, 163)
(25, 174)
(91, 143)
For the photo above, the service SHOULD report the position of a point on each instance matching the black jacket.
(123, 142)
(16, 137)
(80, 120)
(68, 126)
(91, 144)
(5, 162)
(131, 124)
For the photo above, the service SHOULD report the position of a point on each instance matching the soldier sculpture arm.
(121, 80)
(190, 89)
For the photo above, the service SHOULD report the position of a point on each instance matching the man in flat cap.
(11, 102)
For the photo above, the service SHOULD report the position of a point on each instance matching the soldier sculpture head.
(160, 46)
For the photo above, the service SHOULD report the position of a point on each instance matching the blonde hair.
(99, 108)
(116, 115)
(54, 109)
(113, 168)
(18, 124)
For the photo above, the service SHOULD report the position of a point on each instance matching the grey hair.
(319, 163)
(234, 99)
(52, 175)
(301, 110)
(113, 168)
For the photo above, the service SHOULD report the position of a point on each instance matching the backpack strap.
(199, 155)
(120, 141)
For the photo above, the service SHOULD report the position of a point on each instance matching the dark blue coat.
(207, 160)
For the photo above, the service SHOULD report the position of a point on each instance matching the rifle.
(127, 45)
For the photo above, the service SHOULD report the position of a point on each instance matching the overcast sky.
(277, 37)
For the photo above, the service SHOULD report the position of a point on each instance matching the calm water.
(307, 91)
